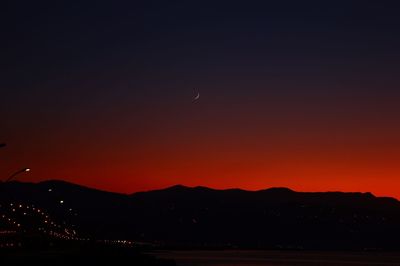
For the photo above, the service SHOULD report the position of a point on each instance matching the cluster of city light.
(7, 232)
(15, 215)
(10, 245)
(125, 243)
(45, 223)
(12, 214)
(9, 220)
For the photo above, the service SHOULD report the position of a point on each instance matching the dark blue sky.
(98, 85)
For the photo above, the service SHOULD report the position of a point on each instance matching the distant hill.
(182, 216)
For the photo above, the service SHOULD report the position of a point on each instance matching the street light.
(24, 170)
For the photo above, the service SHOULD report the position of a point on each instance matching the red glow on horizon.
(301, 170)
(213, 147)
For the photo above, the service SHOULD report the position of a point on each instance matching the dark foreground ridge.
(200, 217)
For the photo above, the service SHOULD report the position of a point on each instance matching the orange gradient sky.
(203, 144)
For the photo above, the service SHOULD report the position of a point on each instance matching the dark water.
(272, 258)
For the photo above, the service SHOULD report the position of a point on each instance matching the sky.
(298, 94)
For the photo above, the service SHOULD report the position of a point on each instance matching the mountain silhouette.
(201, 217)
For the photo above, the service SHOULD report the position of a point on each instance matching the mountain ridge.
(181, 216)
(181, 187)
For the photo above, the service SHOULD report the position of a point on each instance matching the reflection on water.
(282, 258)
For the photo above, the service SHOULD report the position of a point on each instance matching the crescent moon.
(197, 97)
